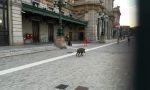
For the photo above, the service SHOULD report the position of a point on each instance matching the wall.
(91, 30)
(26, 26)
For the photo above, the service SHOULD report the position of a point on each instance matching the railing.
(86, 2)
(49, 5)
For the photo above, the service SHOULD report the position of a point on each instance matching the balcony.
(49, 5)
(76, 3)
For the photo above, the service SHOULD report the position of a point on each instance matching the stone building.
(46, 16)
(125, 30)
(37, 21)
(91, 11)
(116, 23)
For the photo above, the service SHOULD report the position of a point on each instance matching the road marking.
(103, 46)
(11, 70)
(68, 47)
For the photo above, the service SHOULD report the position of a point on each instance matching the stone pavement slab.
(108, 68)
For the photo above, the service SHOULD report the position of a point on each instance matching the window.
(1, 19)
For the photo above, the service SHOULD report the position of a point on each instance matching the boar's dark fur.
(80, 52)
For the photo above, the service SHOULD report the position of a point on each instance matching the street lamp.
(98, 28)
(102, 38)
(102, 33)
(60, 4)
(60, 41)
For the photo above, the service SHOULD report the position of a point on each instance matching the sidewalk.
(6, 51)
(25, 49)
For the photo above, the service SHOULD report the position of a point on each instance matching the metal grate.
(61, 86)
(81, 88)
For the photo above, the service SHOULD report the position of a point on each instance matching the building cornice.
(117, 10)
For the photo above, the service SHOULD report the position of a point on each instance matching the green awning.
(44, 12)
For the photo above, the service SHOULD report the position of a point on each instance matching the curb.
(14, 52)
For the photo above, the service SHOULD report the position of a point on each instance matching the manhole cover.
(61, 86)
(81, 88)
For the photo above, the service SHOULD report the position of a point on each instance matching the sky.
(128, 12)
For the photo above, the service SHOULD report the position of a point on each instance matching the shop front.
(4, 32)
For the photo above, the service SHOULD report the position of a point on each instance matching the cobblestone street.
(106, 68)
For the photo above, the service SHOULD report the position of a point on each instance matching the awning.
(44, 12)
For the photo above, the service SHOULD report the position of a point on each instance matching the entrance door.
(35, 31)
(50, 32)
(80, 36)
(70, 35)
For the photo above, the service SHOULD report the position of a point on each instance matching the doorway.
(35, 31)
(50, 32)
(80, 36)
(70, 35)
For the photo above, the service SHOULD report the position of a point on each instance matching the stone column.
(109, 29)
(91, 29)
(106, 29)
(15, 22)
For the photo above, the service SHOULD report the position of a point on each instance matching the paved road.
(107, 68)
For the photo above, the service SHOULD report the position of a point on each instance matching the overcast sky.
(128, 12)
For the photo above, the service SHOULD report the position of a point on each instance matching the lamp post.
(102, 38)
(60, 4)
(60, 41)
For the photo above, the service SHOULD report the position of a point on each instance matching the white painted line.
(100, 46)
(103, 46)
(71, 48)
(3, 72)
(33, 64)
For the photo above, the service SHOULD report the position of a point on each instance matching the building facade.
(125, 30)
(43, 26)
(116, 23)
(37, 21)
(91, 11)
